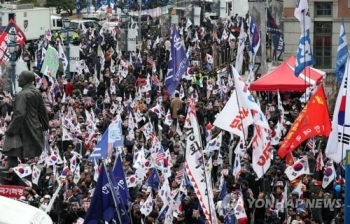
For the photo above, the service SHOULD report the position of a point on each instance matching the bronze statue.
(25, 133)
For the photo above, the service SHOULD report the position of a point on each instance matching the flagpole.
(111, 186)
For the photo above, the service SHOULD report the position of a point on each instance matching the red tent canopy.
(282, 78)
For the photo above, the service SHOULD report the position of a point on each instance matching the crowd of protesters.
(102, 88)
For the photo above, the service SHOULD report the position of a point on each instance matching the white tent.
(18, 212)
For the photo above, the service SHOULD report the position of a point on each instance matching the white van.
(80, 24)
(56, 23)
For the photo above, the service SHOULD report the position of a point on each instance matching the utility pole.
(139, 22)
(263, 31)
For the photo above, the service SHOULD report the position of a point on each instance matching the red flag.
(5, 40)
(289, 159)
(313, 120)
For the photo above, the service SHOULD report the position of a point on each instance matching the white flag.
(147, 206)
(339, 138)
(328, 174)
(239, 209)
(300, 167)
(36, 175)
(302, 13)
(232, 118)
(22, 171)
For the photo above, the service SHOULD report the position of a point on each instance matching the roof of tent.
(282, 78)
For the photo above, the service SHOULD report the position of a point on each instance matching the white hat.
(47, 196)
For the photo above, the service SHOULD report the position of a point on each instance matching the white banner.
(261, 151)
(196, 171)
(74, 57)
(132, 36)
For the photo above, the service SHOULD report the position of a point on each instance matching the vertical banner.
(78, 6)
(51, 62)
(347, 189)
(74, 57)
(132, 34)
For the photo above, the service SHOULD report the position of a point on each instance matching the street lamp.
(13, 46)
(66, 28)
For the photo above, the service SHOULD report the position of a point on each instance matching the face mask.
(86, 171)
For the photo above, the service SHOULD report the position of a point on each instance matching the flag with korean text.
(307, 125)
(102, 206)
(261, 147)
(300, 167)
(119, 177)
(246, 100)
(304, 56)
(233, 118)
(342, 54)
(22, 171)
(195, 168)
(329, 173)
(339, 138)
(178, 62)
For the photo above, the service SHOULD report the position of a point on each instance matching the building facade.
(326, 18)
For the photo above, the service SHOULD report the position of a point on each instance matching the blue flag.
(342, 54)
(98, 4)
(304, 56)
(278, 42)
(88, 6)
(124, 216)
(271, 24)
(254, 38)
(102, 205)
(78, 6)
(178, 62)
(223, 191)
(114, 134)
(153, 180)
(119, 177)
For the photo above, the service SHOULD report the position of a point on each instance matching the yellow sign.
(348, 156)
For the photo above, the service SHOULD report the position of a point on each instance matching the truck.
(32, 21)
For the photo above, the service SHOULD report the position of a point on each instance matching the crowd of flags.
(111, 196)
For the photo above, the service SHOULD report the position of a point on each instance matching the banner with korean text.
(196, 170)
(51, 62)
(11, 191)
(308, 125)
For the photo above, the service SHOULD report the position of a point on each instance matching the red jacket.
(69, 89)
